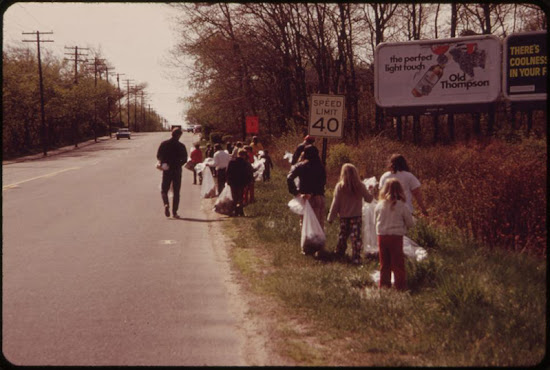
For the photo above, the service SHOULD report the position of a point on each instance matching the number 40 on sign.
(326, 115)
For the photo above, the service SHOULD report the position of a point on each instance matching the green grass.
(467, 305)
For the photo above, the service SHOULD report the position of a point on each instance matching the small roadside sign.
(252, 125)
(326, 115)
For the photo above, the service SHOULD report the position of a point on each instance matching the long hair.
(349, 179)
(392, 191)
(397, 163)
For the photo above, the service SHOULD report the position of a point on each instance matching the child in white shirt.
(393, 218)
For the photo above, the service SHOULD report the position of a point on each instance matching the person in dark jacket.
(239, 175)
(172, 153)
(308, 140)
(313, 178)
(268, 165)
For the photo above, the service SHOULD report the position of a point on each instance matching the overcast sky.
(133, 37)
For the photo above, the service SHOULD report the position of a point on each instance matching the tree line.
(265, 59)
(81, 102)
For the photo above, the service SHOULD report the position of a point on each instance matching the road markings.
(16, 184)
(168, 242)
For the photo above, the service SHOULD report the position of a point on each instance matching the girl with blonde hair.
(393, 218)
(347, 203)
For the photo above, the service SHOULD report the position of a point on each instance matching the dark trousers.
(237, 195)
(392, 259)
(221, 179)
(172, 176)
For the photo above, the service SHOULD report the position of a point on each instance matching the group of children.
(392, 212)
(237, 175)
(392, 220)
(393, 217)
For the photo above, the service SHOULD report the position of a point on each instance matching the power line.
(76, 60)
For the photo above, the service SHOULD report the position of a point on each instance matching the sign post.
(326, 118)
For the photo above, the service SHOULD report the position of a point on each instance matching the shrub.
(339, 154)
(216, 137)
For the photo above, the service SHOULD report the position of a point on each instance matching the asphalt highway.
(93, 273)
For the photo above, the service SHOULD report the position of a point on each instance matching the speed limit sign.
(326, 115)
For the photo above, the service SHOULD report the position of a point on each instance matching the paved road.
(95, 274)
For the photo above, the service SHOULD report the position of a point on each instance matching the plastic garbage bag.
(375, 276)
(162, 166)
(410, 249)
(371, 181)
(313, 237)
(296, 205)
(370, 239)
(209, 162)
(189, 165)
(208, 187)
(288, 156)
(259, 167)
(199, 167)
(413, 250)
(224, 203)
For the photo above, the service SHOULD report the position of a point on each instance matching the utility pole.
(42, 113)
(109, 100)
(76, 60)
(128, 100)
(119, 96)
(142, 112)
(96, 63)
(136, 128)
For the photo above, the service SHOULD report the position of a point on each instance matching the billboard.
(525, 66)
(438, 73)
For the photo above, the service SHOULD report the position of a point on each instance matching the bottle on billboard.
(430, 78)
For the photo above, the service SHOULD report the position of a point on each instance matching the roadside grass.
(467, 305)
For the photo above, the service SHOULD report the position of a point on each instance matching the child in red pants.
(393, 219)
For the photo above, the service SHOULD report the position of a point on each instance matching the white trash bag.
(375, 276)
(199, 167)
(371, 181)
(224, 203)
(288, 156)
(296, 205)
(208, 187)
(162, 166)
(413, 250)
(258, 167)
(313, 237)
(370, 239)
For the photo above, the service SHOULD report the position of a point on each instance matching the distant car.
(197, 129)
(123, 133)
(189, 128)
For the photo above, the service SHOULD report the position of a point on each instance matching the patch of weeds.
(422, 274)
(425, 235)
(303, 353)
(463, 298)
